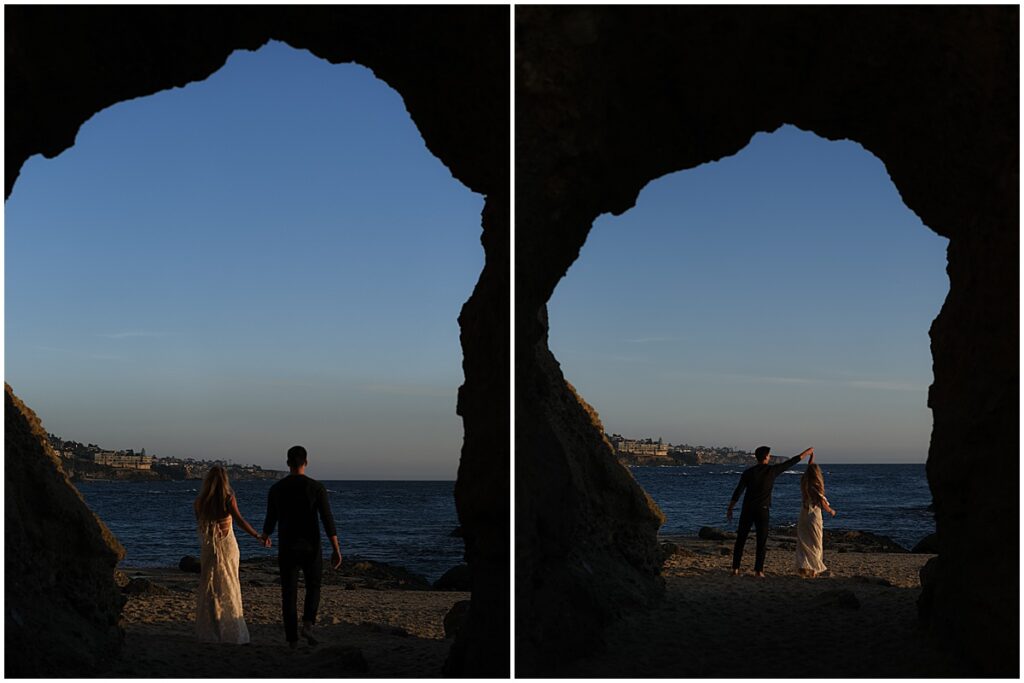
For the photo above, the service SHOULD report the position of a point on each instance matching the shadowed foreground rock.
(458, 578)
(61, 604)
(586, 532)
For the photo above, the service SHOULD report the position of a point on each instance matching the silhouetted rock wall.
(586, 548)
(61, 605)
(610, 98)
(482, 487)
(449, 64)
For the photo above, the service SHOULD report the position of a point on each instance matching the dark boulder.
(668, 549)
(928, 545)
(455, 618)
(379, 575)
(458, 578)
(929, 573)
(189, 564)
(710, 533)
(845, 540)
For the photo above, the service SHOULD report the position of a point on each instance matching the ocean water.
(892, 500)
(407, 523)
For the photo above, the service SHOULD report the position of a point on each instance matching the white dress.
(219, 598)
(808, 539)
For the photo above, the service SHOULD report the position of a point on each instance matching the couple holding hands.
(295, 503)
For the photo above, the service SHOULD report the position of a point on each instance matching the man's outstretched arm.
(786, 464)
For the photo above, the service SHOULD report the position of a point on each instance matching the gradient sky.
(265, 258)
(781, 296)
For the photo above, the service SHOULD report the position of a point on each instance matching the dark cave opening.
(67, 63)
(782, 291)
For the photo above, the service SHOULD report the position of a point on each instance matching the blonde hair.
(215, 495)
(812, 486)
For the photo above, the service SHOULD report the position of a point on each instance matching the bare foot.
(759, 575)
(735, 572)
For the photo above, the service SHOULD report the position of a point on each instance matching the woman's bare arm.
(827, 507)
(241, 520)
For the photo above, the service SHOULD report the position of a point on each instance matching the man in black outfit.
(758, 481)
(295, 502)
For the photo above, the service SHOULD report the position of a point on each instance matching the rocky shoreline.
(837, 539)
(355, 573)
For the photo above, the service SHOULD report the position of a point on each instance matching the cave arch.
(609, 99)
(777, 254)
(450, 66)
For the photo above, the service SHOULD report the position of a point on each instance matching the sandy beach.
(859, 620)
(363, 631)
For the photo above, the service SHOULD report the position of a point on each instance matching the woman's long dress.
(219, 599)
(808, 539)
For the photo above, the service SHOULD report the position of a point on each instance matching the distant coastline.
(90, 462)
(657, 453)
(163, 473)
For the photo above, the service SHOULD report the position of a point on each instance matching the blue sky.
(264, 258)
(781, 296)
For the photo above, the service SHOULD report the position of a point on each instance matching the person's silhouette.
(758, 482)
(295, 502)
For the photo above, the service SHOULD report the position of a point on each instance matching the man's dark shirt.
(758, 481)
(294, 502)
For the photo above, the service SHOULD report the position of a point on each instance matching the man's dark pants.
(290, 561)
(759, 518)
